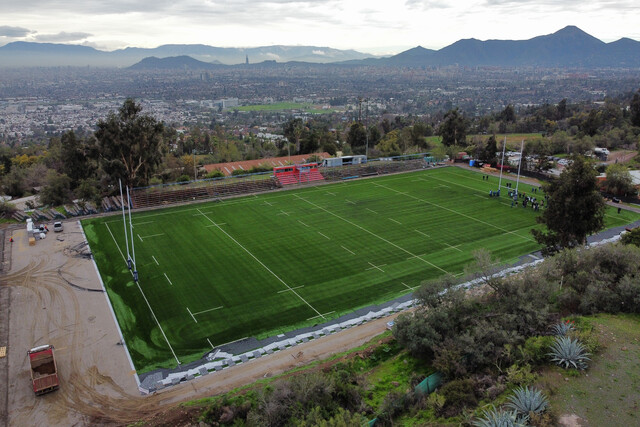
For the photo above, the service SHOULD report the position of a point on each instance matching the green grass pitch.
(216, 272)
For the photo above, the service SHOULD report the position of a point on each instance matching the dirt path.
(46, 288)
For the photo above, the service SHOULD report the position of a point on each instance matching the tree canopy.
(575, 208)
(453, 129)
(130, 145)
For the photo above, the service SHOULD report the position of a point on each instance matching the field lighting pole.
(124, 223)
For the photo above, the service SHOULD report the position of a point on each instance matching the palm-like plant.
(526, 400)
(562, 329)
(567, 352)
(499, 418)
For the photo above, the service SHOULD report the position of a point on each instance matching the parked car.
(57, 226)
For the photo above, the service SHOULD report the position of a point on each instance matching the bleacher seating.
(288, 179)
(312, 175)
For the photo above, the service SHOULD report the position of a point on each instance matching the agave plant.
(567, 352)
(499, 418)
(526, 400)
(562, 329)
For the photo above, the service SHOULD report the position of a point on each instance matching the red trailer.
(44, 372)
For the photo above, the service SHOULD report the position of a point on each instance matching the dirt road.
(55, 298)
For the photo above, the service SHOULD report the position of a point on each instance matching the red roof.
(228, 168)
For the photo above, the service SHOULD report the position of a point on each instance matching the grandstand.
(298, 174)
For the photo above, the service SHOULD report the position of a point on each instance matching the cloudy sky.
(372, 26)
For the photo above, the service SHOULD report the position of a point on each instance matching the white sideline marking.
(477, 195)
(282, 213)
(267, 203)
(533, 256)
(376, 267)
(264, 266)
(424, 234)
(153, 235)
(303, 223)
(194, 319)
(408, 286)
(452, 247)
(287, 290)
(325, 236)
(140, 238)
(212, 347)
(372, 211)
(330, 193)
(205, 311)
(229, 342)
(142, 223)
(146, 300)
(349, 201)
(169, 280)
(154, 258)
(372, 233)
(215, 225)
(397, 222)
(322, 315)
(456, 212)
(417, 256)
(351, 252)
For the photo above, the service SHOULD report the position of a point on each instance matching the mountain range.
(569, 47)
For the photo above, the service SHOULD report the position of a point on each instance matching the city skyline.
(375, 27)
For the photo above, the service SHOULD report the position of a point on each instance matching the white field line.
(142, 223)
(330, 193)
(349, 201)
(287, 290)
(397, 222)
(153, 235)
(420, 232)
(283, 213)
(324, 235)
(212, 347)
(408, 286)
(351, 252)
(268, 203)
(372, 233)
(303, 223)
(146, 300)
(154, 258)
(372, 211)
(230, 342)
(192, 316)
(452, 247)
(206, 311)
(456, 212)
(265, 267)
(168, 280)
(140, 238)
(376, 267)
(215, 225)
(417, 256)
(322, 315)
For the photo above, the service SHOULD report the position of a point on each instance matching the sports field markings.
(154, 258)
(145, 299)
(192, 316)
(456, 212)
(377, 267)
(284, 213)
(409, 286)
(372, 233)
(267, 203)
(397, 222)
(330, 193)
(303, 223)
(215, 225)
(420, 232)
(451, 247)
(349, 201)
(287, 290)
(143, 223)
(324, 235)
(212, 347)
(140, 238)
(168, 280)
(322, 315)
(264, 266)
(350, 251)
(206, 311)
(152, 235)
(372, 211)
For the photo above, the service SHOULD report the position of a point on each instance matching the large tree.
(635, 109)
(575, 208)
(130, 145)
(357, 138)
(619, 180)
(453, 129)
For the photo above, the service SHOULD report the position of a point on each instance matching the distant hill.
(569, 47)
(173, 63)
(18, 54)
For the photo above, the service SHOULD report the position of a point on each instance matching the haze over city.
(377, 27)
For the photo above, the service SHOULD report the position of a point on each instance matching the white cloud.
(62, 37)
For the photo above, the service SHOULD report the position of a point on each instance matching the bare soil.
(53, 296)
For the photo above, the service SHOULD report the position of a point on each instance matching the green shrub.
(216, 173)
(458, 394)
(436, 402)
(535, 349)
(569, 353)
(155, 181)
(520, 375)
(183, 178)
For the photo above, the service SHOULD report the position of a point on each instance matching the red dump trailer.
(44, 372)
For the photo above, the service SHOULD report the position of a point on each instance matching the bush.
(7, 209)
(535, 349)
(499, 418)
(458, 394)
(520, 376)
(527, 400)
(216, 173)
(183, 178)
